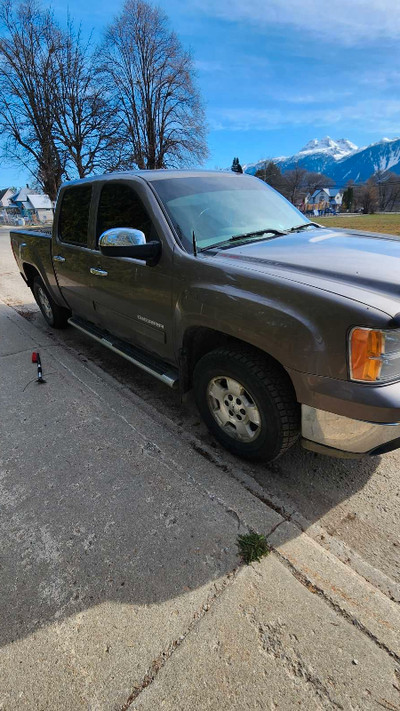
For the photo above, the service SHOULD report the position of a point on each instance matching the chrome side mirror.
(121, 237)
(126, 242)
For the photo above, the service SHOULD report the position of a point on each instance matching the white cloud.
(383, 79)
(373, 115)
(235, 65)
(319, 96)
(346, 21)
(208, 65)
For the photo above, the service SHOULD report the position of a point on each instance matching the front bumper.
(341, 436)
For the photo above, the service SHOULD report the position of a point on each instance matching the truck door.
(70, 252)
(132, 299)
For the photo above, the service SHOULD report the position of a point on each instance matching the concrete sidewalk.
(120, 585)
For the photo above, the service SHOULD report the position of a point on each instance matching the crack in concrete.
(13, 353)
(274, 529)
(320, 535)
(166, 654)
(204, 452)
(386, 705)
(313, 530)
(270, 637)
(349, 557)
(334, 605)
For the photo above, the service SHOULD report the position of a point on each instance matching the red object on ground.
(35, 357)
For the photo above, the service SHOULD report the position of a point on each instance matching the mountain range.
(340, 159)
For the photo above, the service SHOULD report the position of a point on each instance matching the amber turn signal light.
(366, 351)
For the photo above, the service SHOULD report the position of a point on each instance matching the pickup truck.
(212, 281)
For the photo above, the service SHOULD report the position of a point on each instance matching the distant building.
(39, 206)
(20, 200)
(26, 203)
(6, 205)
(324, 200)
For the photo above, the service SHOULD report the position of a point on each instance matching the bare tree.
(367, 195)
(27, 77)
(294, 188)
(85, 119)
(153, 82)
(393, 200)
(388, 186)
(317, 181)
(294, 184)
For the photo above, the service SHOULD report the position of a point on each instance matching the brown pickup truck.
(213, 281)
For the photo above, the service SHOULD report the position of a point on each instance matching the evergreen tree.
(270, 173)
(348, 198)
(236, 167)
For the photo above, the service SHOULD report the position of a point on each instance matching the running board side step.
(160, 370)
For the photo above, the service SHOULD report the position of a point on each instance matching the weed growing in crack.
(252, 547)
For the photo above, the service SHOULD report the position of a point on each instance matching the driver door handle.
(98, 272)
(58, 258)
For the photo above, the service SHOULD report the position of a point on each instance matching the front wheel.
(54, 315)
(248, 402)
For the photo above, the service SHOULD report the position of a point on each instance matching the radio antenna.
(194, 244)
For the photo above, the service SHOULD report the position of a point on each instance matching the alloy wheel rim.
(45, 303)
(233, 408)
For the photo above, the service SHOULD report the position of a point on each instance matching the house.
(323, 200)
(6, 205)
(32, 206)
(25, 203)
(5, 197)
(39, 207)
(20, 200)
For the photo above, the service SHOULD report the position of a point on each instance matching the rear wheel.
(55, 315)
(247, 402)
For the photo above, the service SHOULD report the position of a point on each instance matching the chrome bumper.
(340, 436)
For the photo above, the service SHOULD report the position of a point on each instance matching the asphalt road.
(350, 507)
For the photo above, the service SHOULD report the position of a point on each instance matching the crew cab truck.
(213, 281)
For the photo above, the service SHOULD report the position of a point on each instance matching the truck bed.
(33, 254)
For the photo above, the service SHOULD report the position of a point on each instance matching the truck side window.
(119, 206)
(74, 215)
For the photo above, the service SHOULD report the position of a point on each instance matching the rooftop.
(40, 201)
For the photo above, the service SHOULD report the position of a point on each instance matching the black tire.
(54, 315)
(265, 386)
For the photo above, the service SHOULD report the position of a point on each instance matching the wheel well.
(199, 340)
(30, 273)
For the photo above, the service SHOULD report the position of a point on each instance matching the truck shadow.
(92, 513)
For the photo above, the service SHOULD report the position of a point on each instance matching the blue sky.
(276, 73)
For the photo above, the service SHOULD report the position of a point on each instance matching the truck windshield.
(219, 207)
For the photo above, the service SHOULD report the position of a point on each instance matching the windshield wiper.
(255, 234)
(303, 226)
(237, 238)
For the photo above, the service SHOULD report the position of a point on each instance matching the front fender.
(302, 327)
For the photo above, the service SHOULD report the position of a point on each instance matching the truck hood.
(359, 265)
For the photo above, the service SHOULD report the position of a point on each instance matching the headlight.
(374, 355)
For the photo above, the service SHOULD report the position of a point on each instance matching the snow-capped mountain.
(340, 159)
(327, 146)
(358, 166)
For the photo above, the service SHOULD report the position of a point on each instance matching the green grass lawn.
(369, 223)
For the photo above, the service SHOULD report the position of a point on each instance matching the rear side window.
(73, 223)
(119, 206)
